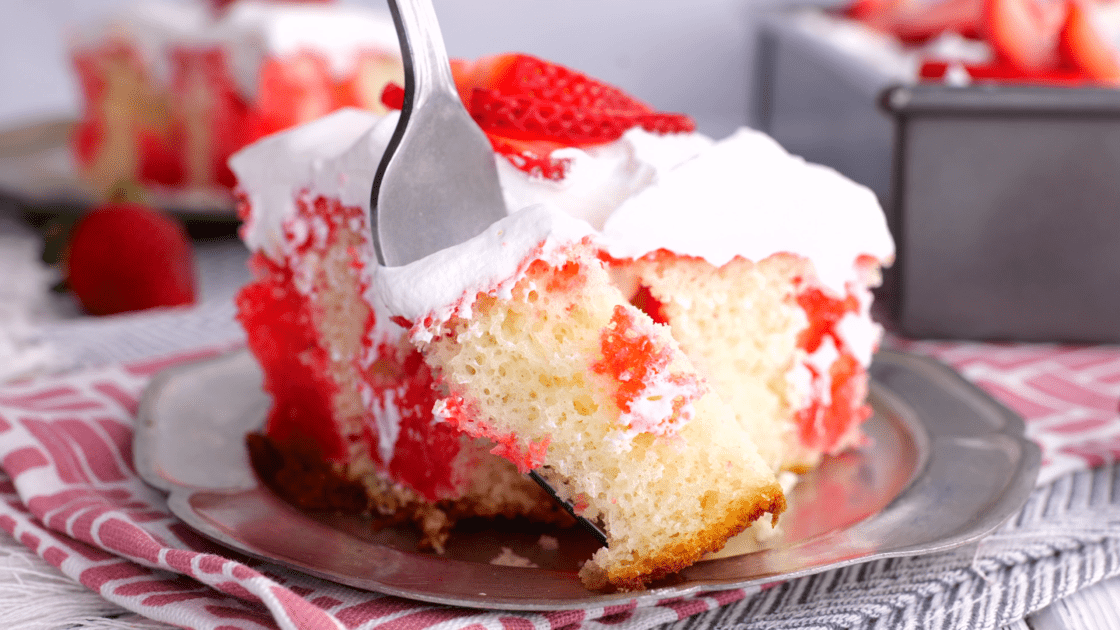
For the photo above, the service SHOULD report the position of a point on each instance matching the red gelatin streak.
(281, 334)
(635, 361)
(467, 418)
(824, 427)
(426, 450)
(645, 301)
(281, 324)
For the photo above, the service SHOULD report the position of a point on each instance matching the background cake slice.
(171, 89)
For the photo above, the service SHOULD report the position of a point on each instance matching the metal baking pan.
(1003, 200)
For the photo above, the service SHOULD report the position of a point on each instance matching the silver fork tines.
(437, 184)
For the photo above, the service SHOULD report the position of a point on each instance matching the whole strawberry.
(127, 257)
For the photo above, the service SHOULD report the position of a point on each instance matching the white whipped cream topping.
(249, 32)
(743, 196)
(432, 289)
(335, 156)
(860, 336)
(600, 178)
(746, 196)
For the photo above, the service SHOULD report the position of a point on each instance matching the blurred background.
(942, 108)
(678, 56)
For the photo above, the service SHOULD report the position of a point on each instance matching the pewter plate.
(37, 169)
(944, 465)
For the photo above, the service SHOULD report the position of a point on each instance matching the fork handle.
(427, 71)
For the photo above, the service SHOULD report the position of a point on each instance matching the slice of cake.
(693, 320)
(611, 410)
(171, 89)
(538, 352)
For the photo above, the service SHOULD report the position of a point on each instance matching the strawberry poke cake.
(171, 89)
(662, 325)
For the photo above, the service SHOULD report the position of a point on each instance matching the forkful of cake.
(437, 184)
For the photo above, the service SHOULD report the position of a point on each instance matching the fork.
(437, 184)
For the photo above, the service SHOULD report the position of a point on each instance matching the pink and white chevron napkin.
(70, 493)
(1069, 396)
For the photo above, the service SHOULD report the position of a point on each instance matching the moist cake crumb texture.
(660, 331)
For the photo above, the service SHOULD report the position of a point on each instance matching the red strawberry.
(1089, 42)
(127, 257)
(522, 97)
(1026, 33)
(530, 107)
(917, 21)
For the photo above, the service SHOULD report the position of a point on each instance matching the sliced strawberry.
(525, 97)
(532, 156)
(915, 21)
(1090, 39)
(529, 108)
(1026, 33)
(480, 73)
(579, 124)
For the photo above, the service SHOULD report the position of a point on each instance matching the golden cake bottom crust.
(643, 571)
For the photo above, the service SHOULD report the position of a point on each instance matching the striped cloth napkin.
(69, 493)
